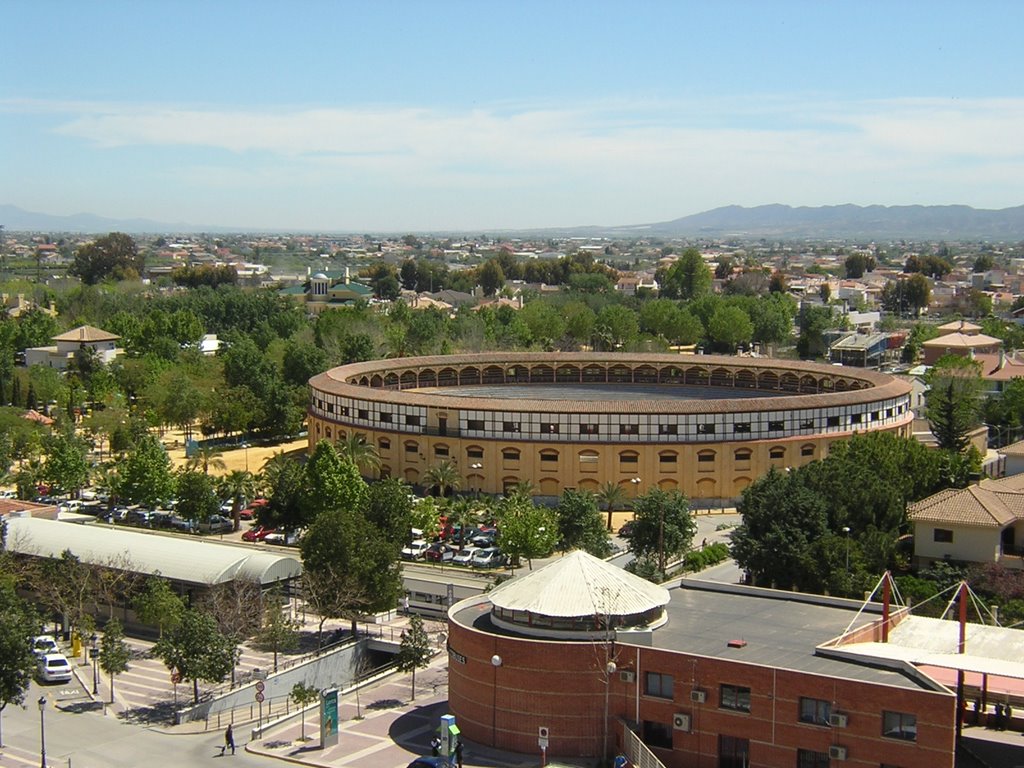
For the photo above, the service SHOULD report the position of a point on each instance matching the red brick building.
(714, 676)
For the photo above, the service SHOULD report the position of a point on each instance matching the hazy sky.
(486, 114)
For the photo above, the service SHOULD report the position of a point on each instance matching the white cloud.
(584, 163)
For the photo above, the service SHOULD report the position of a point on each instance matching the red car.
(258, 533)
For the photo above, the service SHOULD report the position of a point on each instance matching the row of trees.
(835, 525)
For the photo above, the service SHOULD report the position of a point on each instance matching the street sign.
(175, 677)
(259, 696)
(260, 685)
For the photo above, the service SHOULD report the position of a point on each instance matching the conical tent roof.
(576, 585)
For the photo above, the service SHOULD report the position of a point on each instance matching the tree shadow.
(384, 704)
(160, 713)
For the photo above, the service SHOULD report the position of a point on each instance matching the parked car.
(465, 534)
(217, 524)
(488, 557)
(44, 644)
(54, 668)
(288, 539)
(416, 550)
(464, 557)
(428, 762)
(627, 529)
(181, 524)
(139, 517)
(483, 540)
(439, 552)
(259, 533)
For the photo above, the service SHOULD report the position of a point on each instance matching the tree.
(729, 327)
(611, 496)
(145, 475)
(205, 457)
(239, 485)
(953, 401)
(414, 650)
(303, 695)
(111, 256)
(492, 278)
(349, 567)
(114, 652)
(813, 322)
(196, 650)
(332, 481)
(616, 327)
(444, 476)
(277, 632)
(158, 605)
(781, 520)
(525, 530)
(688, 278)
(857, 264)
(983, 263)
(354, 449)
(17, 662)
(67, 465)
(388, 508)
(663, 525)
(197, 499)
(580, 525)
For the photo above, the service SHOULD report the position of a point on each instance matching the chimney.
(1002, 359)
(346, 276)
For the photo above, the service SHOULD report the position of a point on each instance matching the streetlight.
(42, 731)
(495, 662)
(245, 446)
(95, 663)
(846, 531)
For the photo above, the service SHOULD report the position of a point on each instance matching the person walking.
(229, 741)
(998, 720)
(458, 752)
(1007, 714)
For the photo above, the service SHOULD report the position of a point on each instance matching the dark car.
(627, 529)
(429, 762)
(439, 552)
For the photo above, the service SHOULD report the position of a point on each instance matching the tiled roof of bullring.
(881, 386)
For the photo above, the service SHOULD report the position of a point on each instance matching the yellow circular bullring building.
(705, 425)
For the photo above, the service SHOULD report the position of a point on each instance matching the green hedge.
(712, 554)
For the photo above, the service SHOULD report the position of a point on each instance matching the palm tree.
(444, 476)
(611, 496)
(355, 449)
(238, 485)
(205, 458)
(273, 468)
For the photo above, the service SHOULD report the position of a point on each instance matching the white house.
(102, 343)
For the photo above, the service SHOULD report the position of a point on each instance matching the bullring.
(705, 425)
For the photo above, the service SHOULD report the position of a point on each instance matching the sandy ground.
(251, 458)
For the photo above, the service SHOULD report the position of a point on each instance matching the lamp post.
(42, 731)
(245, 446)
(846, 532)
(95, 663)
(495, 662)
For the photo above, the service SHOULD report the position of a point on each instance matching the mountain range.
(937, 222)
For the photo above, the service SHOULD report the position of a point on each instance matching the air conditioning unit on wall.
(627, 676)
(836, 752)
(837, 720)
(681, 721)
(698, 697)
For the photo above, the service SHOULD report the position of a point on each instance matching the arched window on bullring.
(807, 450)
(384, 444)
(629, 461)
(777, 453)
(427, 378)
(327, 432)
(742, 455)
(474, 452)
(510, 454)
(668, 461)
(408, 379)
(549, 459)
(588, 461)
(706, 461)
(412, 449)
(721, 377)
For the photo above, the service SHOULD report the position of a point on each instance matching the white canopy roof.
(926, 641)
(579, 584)
(180, 559)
